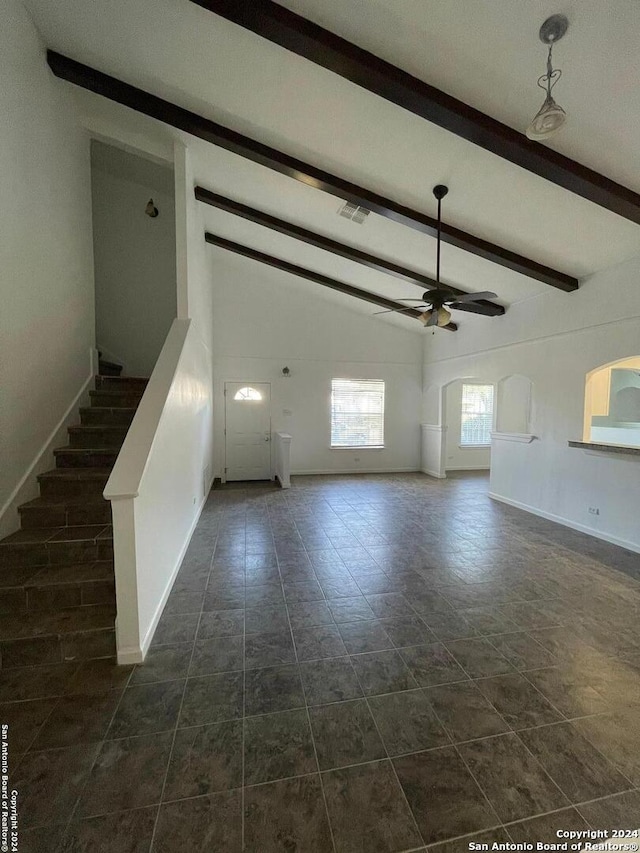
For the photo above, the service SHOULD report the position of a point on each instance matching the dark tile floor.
(357, 664)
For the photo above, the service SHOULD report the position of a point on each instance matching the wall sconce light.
(286, 372)
(151, 210)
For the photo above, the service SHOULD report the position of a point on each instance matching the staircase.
(57, 593)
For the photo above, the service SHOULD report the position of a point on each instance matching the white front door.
(248, 430)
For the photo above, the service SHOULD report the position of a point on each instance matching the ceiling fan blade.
(474, 297)
(472, 308)
(393, 311)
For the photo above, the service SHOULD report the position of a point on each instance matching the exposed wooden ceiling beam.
(313, 42)
(318, 278)
(490, 309)
(204, 128)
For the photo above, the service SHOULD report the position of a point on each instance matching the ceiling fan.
(438, 301)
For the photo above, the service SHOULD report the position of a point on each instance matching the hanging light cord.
(549, 80)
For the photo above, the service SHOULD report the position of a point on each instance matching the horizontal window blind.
(357, 413)
(476, 415)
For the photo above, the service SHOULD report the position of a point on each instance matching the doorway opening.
(134, 244)
(469, 409)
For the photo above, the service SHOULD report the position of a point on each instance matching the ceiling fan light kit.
(550, 117)
(436, 317)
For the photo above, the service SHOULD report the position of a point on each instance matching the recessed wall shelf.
(522, 437)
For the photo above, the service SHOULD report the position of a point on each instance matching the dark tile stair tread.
(42, 624)
(56, 501)
(92, 410)
(87, 473)
(83, 451)
(84, 533)
(17, 576)
(40, 536)
(84, 428)
(99, 570)
(123, 378)
(116, 392)
(37, 536)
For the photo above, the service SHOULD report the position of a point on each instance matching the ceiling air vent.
(354, 212)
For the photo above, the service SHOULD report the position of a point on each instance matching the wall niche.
(515, 405)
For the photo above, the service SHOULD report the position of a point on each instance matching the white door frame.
(223, 475)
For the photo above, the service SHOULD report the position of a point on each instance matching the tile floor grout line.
(537, 689)
(466, 671)
(389, 759)
(56, 702)
(184, 690)
(598, 750)
(572, 806)
(454, 745)
(313, 740)
(91, 817)
(99, 745)
(479, 786)
(469, 835)
(544, 769)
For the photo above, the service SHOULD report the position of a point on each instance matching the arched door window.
(248, 394)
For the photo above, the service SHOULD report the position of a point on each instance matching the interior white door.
(248, 430)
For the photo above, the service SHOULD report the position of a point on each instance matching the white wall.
(135, 256)
(459, 458)
(197, 286)
(46, 283)
(555, 340)
(265, 320)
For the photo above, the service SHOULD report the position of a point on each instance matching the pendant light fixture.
(550, 117)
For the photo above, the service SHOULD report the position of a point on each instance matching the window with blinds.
(357, 413)
(477, 415)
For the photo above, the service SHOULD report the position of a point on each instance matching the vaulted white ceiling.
(486, 53)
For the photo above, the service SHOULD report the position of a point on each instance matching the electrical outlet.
(594, 510)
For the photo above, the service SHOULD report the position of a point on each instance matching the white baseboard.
(567, 522)
(435, 474)
(27, 488)
(134, 654)
(307, 473)
(468, 468)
